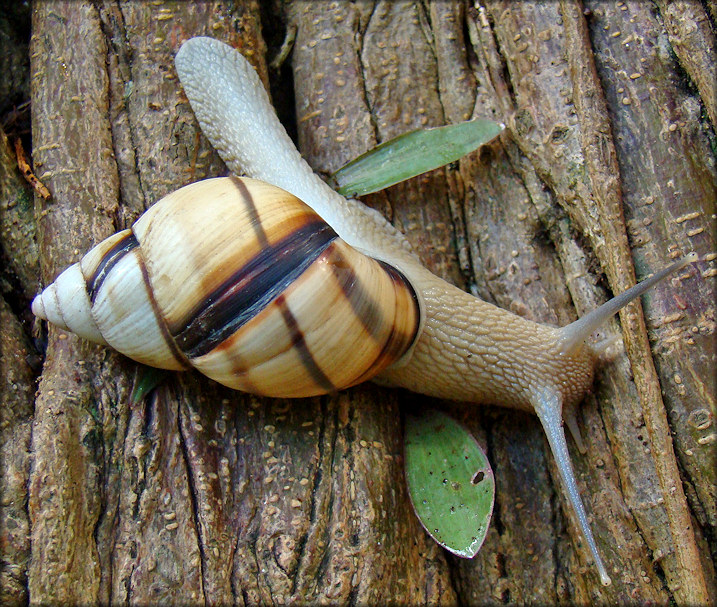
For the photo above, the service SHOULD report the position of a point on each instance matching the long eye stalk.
(580, 330)
(548, 407)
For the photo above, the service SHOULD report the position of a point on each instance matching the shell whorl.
(242, 281)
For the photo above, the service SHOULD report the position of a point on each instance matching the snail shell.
(247, 284)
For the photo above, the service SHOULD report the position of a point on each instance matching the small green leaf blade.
(450, 482)
(146, 380)
(411, 154)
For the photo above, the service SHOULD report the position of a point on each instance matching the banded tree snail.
(243, 305)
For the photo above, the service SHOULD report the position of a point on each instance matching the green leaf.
(411, 154)
(147, 379)
(450, 482)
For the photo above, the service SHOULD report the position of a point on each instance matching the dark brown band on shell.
(109, 260)
(252, 287)
(397, 344)
(298, 342)
(402, 282)
(357, 295)
(246, 197)
(166, 335)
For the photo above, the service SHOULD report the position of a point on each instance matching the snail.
(298, 291)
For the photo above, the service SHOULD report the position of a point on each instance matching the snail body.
(356, 305)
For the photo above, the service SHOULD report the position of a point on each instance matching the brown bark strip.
(16, 413)
(17, 224)
(691, 36)
(64, 502)
(669, 187)
(603, 169)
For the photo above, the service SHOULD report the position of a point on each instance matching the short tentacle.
(570, 415)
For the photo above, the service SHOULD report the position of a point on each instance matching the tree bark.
(199, 494)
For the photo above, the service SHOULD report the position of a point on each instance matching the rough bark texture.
(202, 495)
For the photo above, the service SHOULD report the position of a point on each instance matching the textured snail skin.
(468, 349)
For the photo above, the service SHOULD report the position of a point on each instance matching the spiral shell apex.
(247, 284)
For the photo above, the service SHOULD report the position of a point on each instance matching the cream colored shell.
(244, 282)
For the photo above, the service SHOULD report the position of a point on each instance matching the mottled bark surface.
(202, 495)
